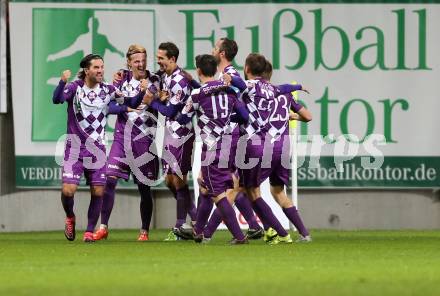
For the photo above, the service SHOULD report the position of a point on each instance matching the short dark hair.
(86, 62)
(268, 71)
(171, 49)
(256, 64)
(207, 64)
(230, 48)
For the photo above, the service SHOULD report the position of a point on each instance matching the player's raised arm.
(64, 92)
(288, 88)
(118, 78)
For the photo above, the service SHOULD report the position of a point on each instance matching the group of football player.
(243, 125)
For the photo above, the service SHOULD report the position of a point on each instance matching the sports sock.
(93, 212)
(265, 213)
(181, 195)
(146, 206)
(108, 200)
(213, 223)
(228, 215)
(293, 215)
(205, 208)
(189, 204)
(244, 205)
(68, 202)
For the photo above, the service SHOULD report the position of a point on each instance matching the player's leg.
(203, 211)
(182, 194)
(228, 215)
(290, 211)
(183, 154)
(245, 207)
(71, 176)
(96, 193)
(150, 173)
(218, 182)
(250, 179)
(186, 166)
(238, 195)
(170, 184)
(216, 217)
(264, 211)
(96, 179)
(108, 201)
(176, 180)
(115, 170)
(146, 210)
(67, 200)
(216, 174)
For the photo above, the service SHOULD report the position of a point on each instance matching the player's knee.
(97, 191)
(252, 194)
(203, 190)
(179, 183)
(169, 182)
(69, 190)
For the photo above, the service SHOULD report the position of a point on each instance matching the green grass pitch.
(335, 263)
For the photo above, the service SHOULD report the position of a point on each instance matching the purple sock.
(93, 213)
(108, 200)
(293, 215)
(189, 205)
(68, 202)
(244, 205)
(265, 225)
(213, 223)
(146, 206)
(231, 222)
(181, 195)
(265, 212)
(205, 208)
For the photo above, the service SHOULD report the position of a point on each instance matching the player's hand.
(117, 77)
(293, 115)
(227, 79)
(65, 76)
(148, 98)
(119, 94)
(144, 84)
(305, 90)
(163, 96)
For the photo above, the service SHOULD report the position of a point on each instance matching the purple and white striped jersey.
(279, 117)
(87, 109)
(259, 98)
(179, 90)
(145, 120)
(213, 109)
